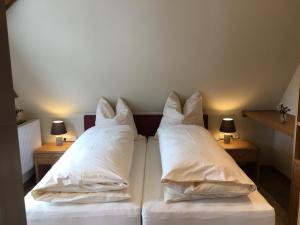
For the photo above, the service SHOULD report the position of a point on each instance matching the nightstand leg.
(37, 170)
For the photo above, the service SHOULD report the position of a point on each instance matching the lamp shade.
(58, 128)
(227, 125)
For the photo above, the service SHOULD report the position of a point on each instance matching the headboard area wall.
(146, 124)
(142, 50)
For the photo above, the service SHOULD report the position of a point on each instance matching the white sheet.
(114, 213)
(95, 168)
(250, 210)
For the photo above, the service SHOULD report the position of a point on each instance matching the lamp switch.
(69, 138)
(220, 136)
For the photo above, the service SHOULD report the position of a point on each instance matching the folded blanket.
(195, 167)
(95, 168)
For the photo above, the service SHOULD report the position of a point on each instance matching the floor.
(277, 184)
(29, 185)
(273, 185)
(276, 189)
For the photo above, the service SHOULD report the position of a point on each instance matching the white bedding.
(95, 168)
(247, 210)
(114, 213)
(194, 166)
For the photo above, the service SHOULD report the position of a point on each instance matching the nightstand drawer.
(244, 156)
(48, 159)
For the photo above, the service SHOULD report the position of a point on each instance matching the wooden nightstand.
(48, 154)
(243, 152)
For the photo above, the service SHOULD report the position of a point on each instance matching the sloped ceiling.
(66, 54)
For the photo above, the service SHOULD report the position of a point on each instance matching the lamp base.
(59, 141)
(227, 139)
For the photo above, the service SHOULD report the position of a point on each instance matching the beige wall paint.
(257, 133)
(66, 54)
(291, 95)
(282, 153)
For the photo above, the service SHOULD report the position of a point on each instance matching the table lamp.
(58, 128)
(227, 127)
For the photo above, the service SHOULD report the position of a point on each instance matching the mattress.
(113, 213)
(249, 210)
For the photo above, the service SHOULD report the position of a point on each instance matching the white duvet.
(194, 166)
(95, 168)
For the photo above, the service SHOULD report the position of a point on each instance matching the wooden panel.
(271, 118)
(243, 156)
(12, 208)
(241, 151)
(297, 173)
(295, 185)
(294, 205)
(297, 144)
(298, 115)
(51, 147)
(295, 188)
(146, 124)
(48, 159)
(238, 144)
(8, 3)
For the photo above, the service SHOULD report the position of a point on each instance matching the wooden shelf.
(271, 118)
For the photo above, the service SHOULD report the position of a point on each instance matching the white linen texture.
(106, 116)
(95, 168)
(195, 167)
(190, 113)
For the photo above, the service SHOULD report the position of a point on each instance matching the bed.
(253, 209)
(114, 213)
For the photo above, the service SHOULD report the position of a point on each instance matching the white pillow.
(106, 116)
(192, 112)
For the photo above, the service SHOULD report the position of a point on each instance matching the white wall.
(291, 95)
(66, 54)
(283, 145)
